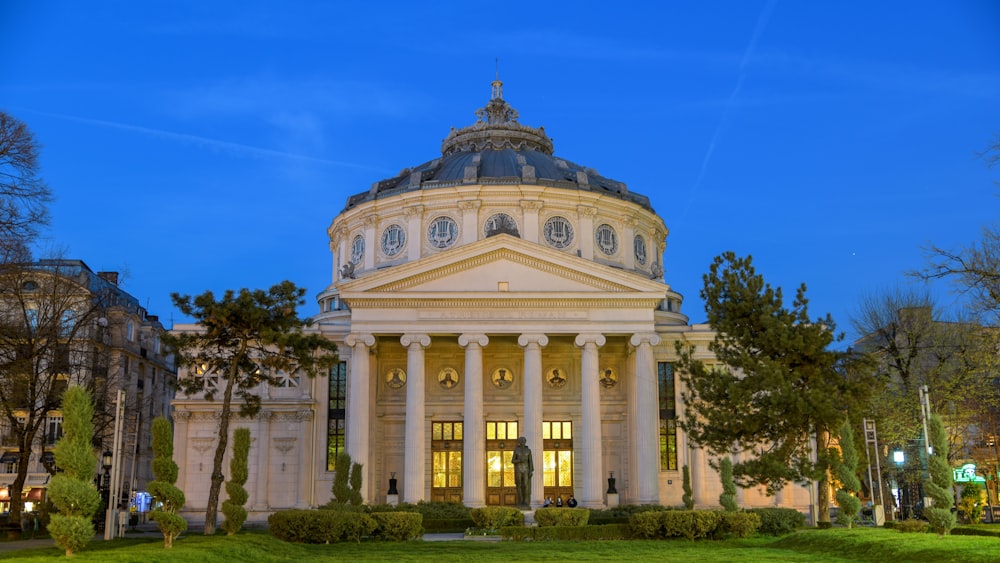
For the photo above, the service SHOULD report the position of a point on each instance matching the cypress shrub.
(162, 489)
(73, 492)
(846, 470)
(728, 497)
(688, 496)
(939, 486)
(232, 507)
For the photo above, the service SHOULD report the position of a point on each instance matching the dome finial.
(497, 85)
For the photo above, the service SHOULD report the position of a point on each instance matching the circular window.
(500, 223)
(357, 249)
(606, 239)
(442, 232)
(558, 232)
(393, 240)
(640, 250)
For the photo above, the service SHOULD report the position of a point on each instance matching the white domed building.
(493, 292)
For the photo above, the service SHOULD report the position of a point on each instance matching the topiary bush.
(398, 526)
(562, 516)
(939, 486)
(778, 521)
(162, 489)
(232, 507)
(912, 526)
(728, 497)
(72, 491)
(737, 525)
(690, 524)
(496, 517)
(688, 497)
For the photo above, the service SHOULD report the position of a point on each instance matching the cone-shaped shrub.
(72, 491)
(163, 489)
(728, 497)
(850, 505)
(232, 507)
(938, 487)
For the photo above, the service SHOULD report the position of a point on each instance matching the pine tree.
(73, 492)
(850, 504)
(688, 497)
(163, 490)
(939, 486)
(728, 497)
(778, 372)
(232, 507)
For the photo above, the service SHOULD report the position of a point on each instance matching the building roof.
(496, 149)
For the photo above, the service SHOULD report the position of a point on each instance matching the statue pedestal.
(392, 500)
(612, 500)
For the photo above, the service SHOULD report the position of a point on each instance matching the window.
(357, 249)
(286, 379)
(54, 430)
(68, 322)
(130, 331)
(668, 416)
(393, 240)
(558, 232)
(336, 414)
(639, 245)
(446, 462)
(442, 232)
(606, 239)
(500, 223)
(31, 316)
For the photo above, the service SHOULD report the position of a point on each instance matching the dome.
(496, 149)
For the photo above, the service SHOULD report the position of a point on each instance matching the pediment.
(482, 267)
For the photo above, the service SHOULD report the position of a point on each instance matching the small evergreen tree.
(728, 497)
(162, 489)
(341, 477)
(939, 486)
(688, 497)
(356, 477)
(73, 492)
(232, 507)
(850, 504)
(971, 505)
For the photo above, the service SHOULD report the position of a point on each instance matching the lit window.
(336, 414)
(668, 416)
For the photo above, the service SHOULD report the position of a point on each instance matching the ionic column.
(591, 493)
(644, 451)
(358, 399)
(414, 464)
(473, 478)
(532, 427)
(699, 472)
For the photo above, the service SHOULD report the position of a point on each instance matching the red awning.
(35, 494)
(4, 494)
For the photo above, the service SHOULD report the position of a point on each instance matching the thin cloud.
(235, 149)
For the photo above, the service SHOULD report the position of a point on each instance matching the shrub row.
(443, 525)
(778, 521)
(496, 517)
(575, 533)
(562, 516)
(694, 524)
(332, 526)
(968, 531)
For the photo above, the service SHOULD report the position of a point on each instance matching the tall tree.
(776, 373)
(72, 491)
(939, 485)
(55, 317)
(243, 339)
(164, 491)
(24, 197)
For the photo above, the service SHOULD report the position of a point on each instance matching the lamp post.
(106, 481)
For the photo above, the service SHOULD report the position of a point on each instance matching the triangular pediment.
(507, 264)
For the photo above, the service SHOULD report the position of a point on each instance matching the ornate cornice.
(505, 304)
(503, 254)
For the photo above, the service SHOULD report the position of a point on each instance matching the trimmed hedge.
(737, 525)
(320, 526)
(967, 531)
(562, 516)
(694, 524)
(496, 517)
(443, 525)
(575, 533)
(778, 521)
(398, 526)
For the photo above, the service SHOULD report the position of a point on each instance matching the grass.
(837, 545)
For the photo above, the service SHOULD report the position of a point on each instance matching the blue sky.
(208, 145)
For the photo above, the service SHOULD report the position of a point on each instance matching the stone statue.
(347, 271)
(523, 469)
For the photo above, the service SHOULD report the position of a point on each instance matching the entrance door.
(446, 452)
(557, 459)
(501, 439)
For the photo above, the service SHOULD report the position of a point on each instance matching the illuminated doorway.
(501, 439)
(557, 459)
(446, 452)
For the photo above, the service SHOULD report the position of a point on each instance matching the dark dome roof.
(497, 150)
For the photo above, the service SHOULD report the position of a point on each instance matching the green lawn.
(837, 545)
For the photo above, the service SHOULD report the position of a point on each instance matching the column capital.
(526, 339)
(422, 340)
(469, 204)
(356, 338)
(531, 204)
(466, 339)
(641, 338)
(590, 338)
(413, 210)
